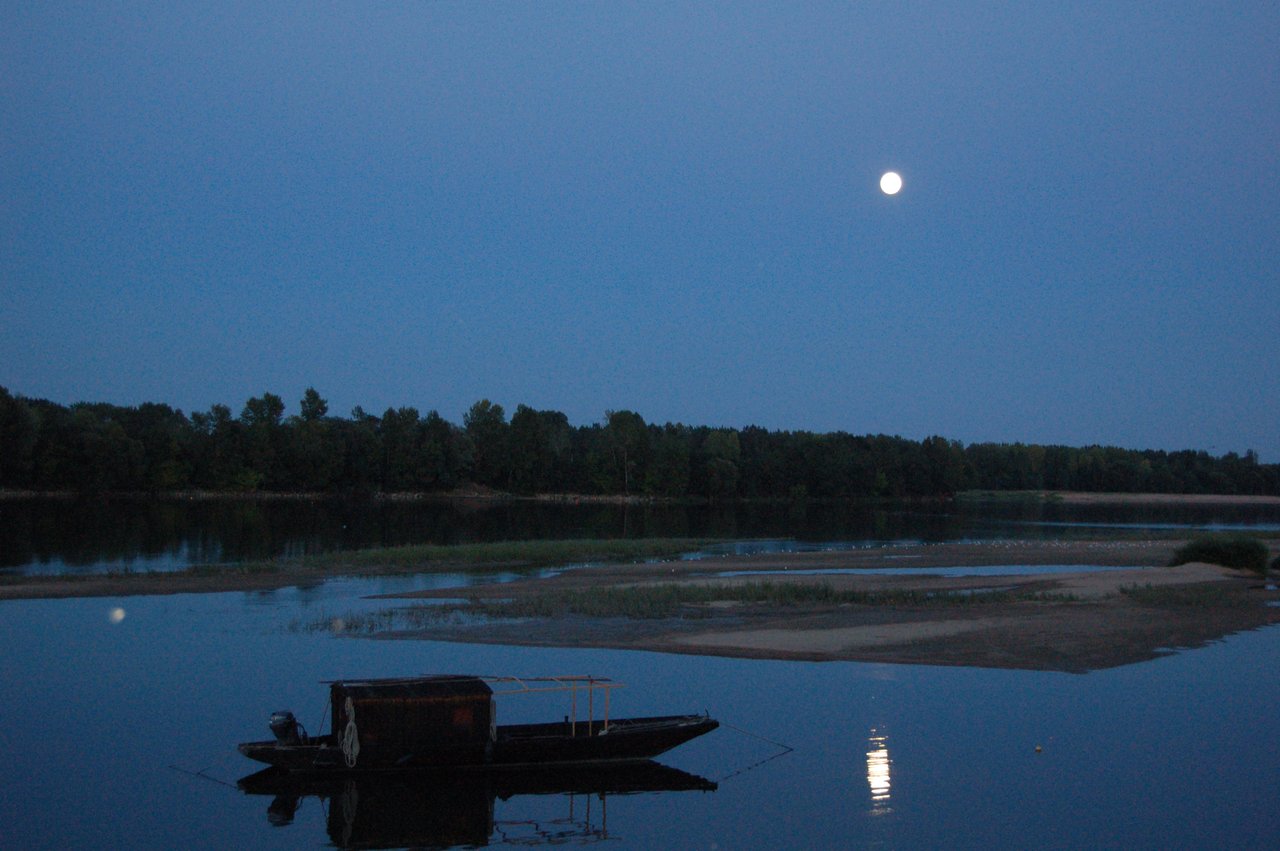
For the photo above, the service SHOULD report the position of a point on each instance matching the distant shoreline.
(488, 495)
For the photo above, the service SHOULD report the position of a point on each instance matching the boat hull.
(513, 746)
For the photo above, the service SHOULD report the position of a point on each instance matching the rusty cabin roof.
(437, 687)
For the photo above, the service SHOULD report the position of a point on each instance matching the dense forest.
(98, 447)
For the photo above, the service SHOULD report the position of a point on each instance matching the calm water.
(108, 707)
(119, 717)
(70, 536)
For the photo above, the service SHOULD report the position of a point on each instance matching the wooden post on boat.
(606, 709)
(573, 705)
(591, 703)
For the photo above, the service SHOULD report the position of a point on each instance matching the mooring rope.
(201, 774)
(784, 750)
(323, 715)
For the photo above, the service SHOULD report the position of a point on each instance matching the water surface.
(101, 698)
(94, 536)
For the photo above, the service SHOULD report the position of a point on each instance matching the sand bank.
(1079, 621)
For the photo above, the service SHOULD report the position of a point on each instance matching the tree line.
(95, 447)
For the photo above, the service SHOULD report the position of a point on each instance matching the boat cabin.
(380, 722)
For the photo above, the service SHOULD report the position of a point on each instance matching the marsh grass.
(526, 554)
(388, 620)
(1207, 596)
(1015, 496)
(693, 600)
(428, 558)
(667, 600)
(247, 568)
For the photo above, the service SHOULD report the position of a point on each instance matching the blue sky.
(667, 207)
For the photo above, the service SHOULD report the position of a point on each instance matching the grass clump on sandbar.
(1237, 551)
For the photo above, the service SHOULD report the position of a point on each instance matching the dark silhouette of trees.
(153, 448)
(312, 407)
(19, 430)
(668, 472)
(486, 427)
(311, 454)
(720, 453)
(540, 449)
(626, 441)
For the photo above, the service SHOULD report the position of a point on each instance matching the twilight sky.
(667, 207)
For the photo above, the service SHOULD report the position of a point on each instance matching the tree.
(441, 450)
(261, 417)
(486, 427)
(945, 463)
(166, 437)
(720, 453)
(313, 407)
(399, 432)
(668, 472)
(218, 453)
(312, 452)
(531, 454)
(361, 452)
(102, 457)
(18, 427)
(539, 447)
(264, 410)
(628, 442)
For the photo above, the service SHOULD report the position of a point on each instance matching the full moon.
(890, 183)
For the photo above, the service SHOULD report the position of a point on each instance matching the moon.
(891, 183)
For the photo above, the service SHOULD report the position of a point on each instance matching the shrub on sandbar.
(1238, 551)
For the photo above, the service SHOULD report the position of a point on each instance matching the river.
(119, 720)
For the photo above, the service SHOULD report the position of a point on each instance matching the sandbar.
(1076, 622)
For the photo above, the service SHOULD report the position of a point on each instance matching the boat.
(450, 720)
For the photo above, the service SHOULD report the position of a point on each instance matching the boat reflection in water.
(456, 807)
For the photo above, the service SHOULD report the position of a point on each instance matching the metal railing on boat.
(570, 684)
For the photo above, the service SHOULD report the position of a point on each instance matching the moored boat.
(451, 720)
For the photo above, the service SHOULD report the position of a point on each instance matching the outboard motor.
(286, 728)
(282, 809)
